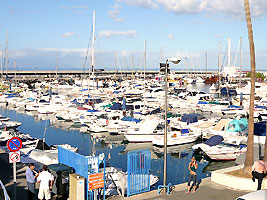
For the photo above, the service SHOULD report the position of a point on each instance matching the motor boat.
(182, 136)
(215, 149)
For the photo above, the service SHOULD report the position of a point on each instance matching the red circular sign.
(15, 157)
(14, 144)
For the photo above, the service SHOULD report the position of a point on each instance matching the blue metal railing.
(84, 166)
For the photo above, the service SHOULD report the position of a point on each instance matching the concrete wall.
(235, 182)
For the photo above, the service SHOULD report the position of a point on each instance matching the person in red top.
(259, 170)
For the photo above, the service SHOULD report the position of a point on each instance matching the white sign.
(14, 157)
(93, 164)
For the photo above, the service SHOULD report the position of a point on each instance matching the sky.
(57, 34)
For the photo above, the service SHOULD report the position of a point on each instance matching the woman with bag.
(192, 175)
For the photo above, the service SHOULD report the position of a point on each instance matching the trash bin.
(61, 178)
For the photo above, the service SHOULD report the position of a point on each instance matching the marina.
(93, 123)
(139, 103)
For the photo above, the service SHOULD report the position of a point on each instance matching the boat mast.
(15, 66)
(241, 57)
(93, 47)
(2, 57)
(6, 54)
(132, 65)
(219, 63)
(144, 76)
(186, 67)
(145, 62)
(206, 60)
(57, 67)
(229, 52)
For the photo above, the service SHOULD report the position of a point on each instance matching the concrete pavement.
(18, 190)
(207, 190)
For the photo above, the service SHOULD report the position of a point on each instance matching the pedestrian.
(46, 180)
(259, 171)
(192, 174)
(31, 180)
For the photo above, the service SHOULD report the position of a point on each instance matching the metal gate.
(138, 169)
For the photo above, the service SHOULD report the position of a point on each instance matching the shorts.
(44, 193)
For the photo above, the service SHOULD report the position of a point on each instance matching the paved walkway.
(18, 190)
(207, 191)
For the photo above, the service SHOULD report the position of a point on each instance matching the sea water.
(177, 160)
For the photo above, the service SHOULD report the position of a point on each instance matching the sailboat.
(230, 71)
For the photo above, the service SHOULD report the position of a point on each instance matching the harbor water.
(115, 150)
(177, 159)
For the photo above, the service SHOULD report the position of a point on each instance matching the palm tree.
(265, 148)
(250, 146)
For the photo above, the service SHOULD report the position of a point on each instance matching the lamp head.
(174, 60)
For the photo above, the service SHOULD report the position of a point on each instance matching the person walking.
(31, 180)
(259, 170)
(46, 180)
(192, 174)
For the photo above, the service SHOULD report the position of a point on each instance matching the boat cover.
(156, 111)
(214, 140)
(92, 110)
(116, 106)
(237, 125)
(130, 119)
(234, 106)
(261, 107)
(184, 131)
(260, 128)
(190, 118)
(221, 124)
(202, 102)
(41, 145)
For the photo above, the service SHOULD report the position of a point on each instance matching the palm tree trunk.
(250, 146)
(265, 148)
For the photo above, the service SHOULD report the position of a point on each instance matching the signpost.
(14, 144)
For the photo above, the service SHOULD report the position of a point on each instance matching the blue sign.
(14, 144)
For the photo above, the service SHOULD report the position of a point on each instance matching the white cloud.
(76, 9)
(65, 51)
(233, 8)
(79, 12)
(226, 7)
(170, 36)
(68, 34)
(109, 33)
(114, 13)
(69, 58)
(183, 6)
(82, 7)
(140, 3)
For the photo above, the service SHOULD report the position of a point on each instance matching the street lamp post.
(175, 61)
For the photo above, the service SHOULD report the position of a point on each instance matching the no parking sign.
(14, 144)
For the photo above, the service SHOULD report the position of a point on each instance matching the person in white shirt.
(46, 180)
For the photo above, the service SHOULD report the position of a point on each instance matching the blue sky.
(44, 33)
